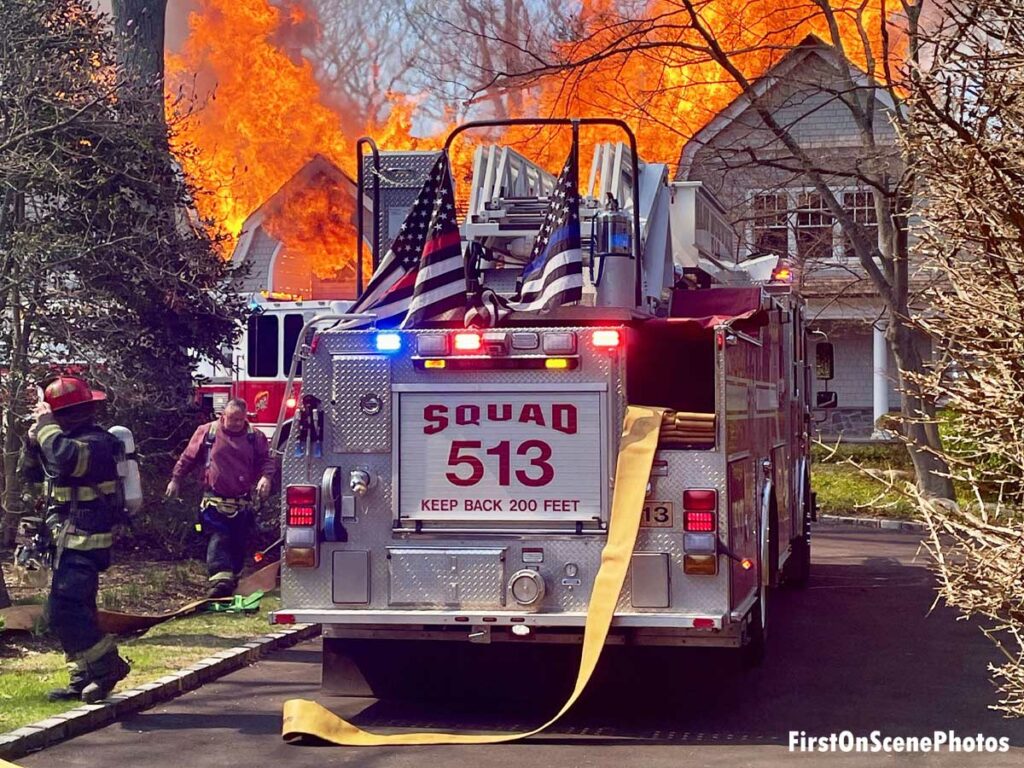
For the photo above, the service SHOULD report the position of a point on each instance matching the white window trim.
(838, 258)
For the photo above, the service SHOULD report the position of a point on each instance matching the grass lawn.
(843, 489)
(32, 665)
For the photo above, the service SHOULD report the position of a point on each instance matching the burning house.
(300, 243)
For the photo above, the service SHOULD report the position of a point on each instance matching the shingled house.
(776, 210)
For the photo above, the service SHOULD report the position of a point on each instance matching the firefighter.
(235, 457)
(76, 461)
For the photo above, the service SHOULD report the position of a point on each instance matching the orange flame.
(263, 117)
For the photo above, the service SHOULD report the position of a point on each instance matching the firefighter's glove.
(263, 487)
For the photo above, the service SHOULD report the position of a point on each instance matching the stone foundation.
(855, 423)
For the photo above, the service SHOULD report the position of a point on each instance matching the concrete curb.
(874, 522)
(89, 717)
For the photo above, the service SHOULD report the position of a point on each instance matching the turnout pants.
(229, 535)
(72, 605)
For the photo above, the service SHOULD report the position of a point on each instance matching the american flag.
(441, 277)
(392, 287)
(554, 274)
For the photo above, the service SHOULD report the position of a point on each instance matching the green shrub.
(873, 455)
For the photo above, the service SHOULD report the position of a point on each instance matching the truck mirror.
(824, 361)
(827, 400)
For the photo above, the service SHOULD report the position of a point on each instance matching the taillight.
(606, 339)
(300, 540)
(702, 522)
(700, 510)
(700, 513)
(467, 342)
(301, 501)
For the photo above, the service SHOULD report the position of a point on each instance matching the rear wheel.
(798, 567)
(753, 651)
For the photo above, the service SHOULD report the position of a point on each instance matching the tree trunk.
(919, 425)
(5, 597)
(139, 25)
(12, 486)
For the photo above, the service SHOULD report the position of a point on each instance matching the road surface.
(857, 650)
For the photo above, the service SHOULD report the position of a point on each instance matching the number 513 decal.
(533, 467)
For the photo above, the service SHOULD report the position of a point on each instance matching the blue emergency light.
(388, 342)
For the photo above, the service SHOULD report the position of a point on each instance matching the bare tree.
(676, 34)
(463, 44)
(363, 56)
(967, 135)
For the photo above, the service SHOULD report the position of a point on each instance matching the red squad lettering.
(506, 412)
(563, 417)
(467, 414)
(436, 417)
(532, 412)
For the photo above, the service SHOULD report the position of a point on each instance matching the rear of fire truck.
(454, 483)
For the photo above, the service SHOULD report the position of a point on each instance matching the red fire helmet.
(66, 391)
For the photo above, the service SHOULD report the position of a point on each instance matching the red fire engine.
(456, 483)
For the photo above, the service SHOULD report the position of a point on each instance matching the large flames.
(260, 116)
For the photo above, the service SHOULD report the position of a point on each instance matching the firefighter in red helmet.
(77, 462)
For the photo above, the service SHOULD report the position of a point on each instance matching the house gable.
(804, 92)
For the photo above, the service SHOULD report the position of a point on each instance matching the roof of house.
(773, 78)
(317, 165)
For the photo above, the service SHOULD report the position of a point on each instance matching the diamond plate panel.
(401, 176)
(445, 578)
(360, 407)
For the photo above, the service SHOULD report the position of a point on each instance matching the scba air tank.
(128, 469)
(613, 255)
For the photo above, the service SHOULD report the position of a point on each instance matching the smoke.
(176, 22)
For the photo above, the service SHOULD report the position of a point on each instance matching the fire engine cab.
(451, 482)
(262, 360)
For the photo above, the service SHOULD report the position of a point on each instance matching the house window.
(771, 223)
(861, 205)
(813, 227)
(798, 224)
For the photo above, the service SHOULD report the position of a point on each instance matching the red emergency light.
(606, 339)
(467, 342)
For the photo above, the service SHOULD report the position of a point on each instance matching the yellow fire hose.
(303, 717)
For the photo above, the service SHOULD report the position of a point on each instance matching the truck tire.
(752, 654)
(798, 567)
(773, 542)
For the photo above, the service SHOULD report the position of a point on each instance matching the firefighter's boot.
(104, 673)
(73, 690)
(221, 588)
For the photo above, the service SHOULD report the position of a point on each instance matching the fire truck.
(455, 483)
(262, 359)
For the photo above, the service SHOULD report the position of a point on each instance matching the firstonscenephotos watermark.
(937, 741)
